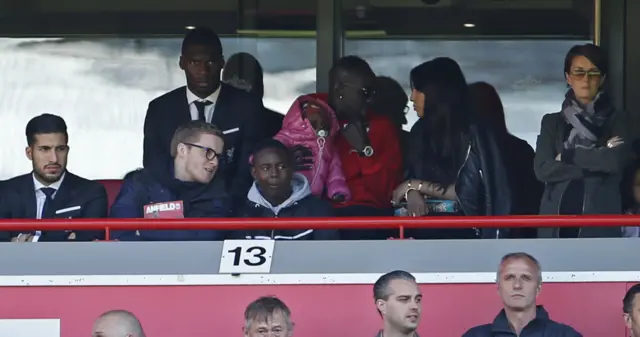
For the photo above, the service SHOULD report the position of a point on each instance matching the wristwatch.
(368, 151)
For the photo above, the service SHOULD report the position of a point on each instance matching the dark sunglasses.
(209, 153)
(366, 92)
(581, 73)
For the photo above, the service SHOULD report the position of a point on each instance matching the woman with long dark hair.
(526, 190)
(580, 152)
(455, 166)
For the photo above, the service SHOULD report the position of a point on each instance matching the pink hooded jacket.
(327, 167)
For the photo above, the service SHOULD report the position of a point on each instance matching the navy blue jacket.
(541, 326)
(148, 187)
(237, 113)
(301, 204)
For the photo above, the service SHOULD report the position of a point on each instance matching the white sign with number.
(30, 327)
(246, 256)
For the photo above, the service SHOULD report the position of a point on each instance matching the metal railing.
(401, 223)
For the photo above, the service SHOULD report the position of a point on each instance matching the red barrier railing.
(322, 223)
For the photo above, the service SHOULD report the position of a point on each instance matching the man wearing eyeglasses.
(184, 189)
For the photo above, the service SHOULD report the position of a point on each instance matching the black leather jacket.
(481, 184)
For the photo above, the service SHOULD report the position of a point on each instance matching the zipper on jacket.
(457, 176)
(559, 204)
(584, 202)
(321, 143)
(497, 229)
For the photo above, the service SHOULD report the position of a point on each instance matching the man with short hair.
(631, 310)
(243, 71)
(368, 145)
(399, 301)
(278, 192)
(186, 187)
(236, 112)
(50, 190)
(519, 279)
(117, 323)
(267, 316)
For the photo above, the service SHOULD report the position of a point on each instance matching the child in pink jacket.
(314, 125)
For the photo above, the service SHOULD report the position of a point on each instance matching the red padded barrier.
(318, 310)
(113, 188)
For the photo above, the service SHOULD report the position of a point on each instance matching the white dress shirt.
(208, 109)
(41, 198)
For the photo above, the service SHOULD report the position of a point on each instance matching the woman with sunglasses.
(455, 165)
(581, 150)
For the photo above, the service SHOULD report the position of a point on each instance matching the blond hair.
(190, 132)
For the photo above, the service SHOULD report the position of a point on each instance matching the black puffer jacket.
(301, 204)
(541, 326)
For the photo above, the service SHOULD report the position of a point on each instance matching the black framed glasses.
(209, 153)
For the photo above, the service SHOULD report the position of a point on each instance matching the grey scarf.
(586, 120)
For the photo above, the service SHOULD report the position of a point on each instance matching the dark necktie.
(47, 208)
(201, 106)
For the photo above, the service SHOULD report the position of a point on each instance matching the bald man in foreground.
(117, 323)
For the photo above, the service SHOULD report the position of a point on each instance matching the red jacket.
(371, 180)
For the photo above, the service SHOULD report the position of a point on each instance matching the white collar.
(191, 97)
(38, 185)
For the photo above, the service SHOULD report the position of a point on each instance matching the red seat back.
(113, 188)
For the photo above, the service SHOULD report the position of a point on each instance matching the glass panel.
(518, 46)
(102, 85)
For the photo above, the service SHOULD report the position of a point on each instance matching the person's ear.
(381, 305)
(181, 63)
(181, 150)
(293, 326)
(338, 89)
(28, 151)
(628, 322)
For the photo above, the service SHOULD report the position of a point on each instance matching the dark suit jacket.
(235, 109)
(18, 201)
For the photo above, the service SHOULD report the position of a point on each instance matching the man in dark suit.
(50, 191)
(236, 112)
